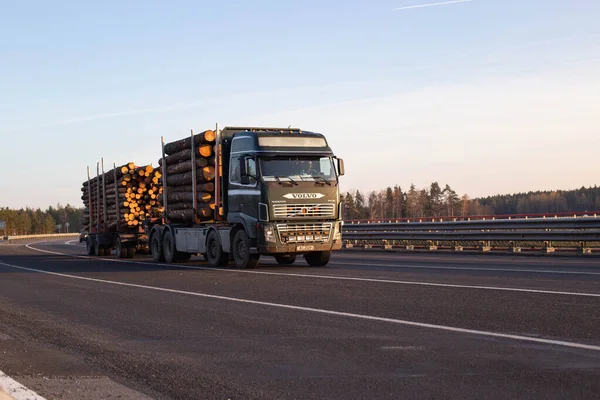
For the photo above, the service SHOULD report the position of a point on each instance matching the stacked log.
(133, 199)
(180, 163)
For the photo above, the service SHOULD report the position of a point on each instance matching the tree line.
(388, 203)
(29, 221)
(435, 201)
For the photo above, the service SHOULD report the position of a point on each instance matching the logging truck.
(240, 193)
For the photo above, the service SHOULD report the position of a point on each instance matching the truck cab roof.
(275, 141)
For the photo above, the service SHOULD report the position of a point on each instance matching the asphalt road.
(368, 326)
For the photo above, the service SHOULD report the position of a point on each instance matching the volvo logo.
(303, 195)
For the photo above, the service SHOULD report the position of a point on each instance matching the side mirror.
(340, 166)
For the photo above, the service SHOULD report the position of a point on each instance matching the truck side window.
(234, 176)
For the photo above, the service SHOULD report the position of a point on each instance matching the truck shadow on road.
(20, 263)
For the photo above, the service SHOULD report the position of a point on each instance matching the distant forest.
(30, 221)
(435, 201)
(392, 202)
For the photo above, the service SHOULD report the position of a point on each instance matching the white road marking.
(540, 271)
(324, 311)
(333, 277)
(16, 390)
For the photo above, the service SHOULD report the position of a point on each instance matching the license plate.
(306, 247)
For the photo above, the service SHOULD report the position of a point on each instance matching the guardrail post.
(484, 247)
(431, 246)
(548, 247)
(456, 247)
(513, 248)
(583, 249)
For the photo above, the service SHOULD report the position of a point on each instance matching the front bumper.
(278, 248)
(299, 237)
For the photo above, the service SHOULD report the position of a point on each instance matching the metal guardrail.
(568, 215)
(479, 225)
(21, 238)
(548, 231)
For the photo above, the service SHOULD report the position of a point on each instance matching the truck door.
(244, 193)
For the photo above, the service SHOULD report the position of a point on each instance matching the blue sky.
(489, 96)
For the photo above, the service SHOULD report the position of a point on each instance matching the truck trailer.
(118, 204)
(275, 193)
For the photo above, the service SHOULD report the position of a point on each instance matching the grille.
(302, 233)
(303, 210)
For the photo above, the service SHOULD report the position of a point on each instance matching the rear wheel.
(130, 252)
(120, 249)
(170, 250)
(318, 259)
(156, 249)
(169, 247)
(285, 259)
(99, 251)
(89, 246)
(241, 251)
(215, 255)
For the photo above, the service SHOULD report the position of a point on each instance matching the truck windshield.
(314, 169)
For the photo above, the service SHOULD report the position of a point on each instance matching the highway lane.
(178, 345)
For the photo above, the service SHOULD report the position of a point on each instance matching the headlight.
(269, 231)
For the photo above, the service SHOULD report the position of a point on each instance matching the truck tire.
(214, 252)
(99, 251)
(130, 252)
(241, 251)
(286, 259)
(120, 249)
(318, 258)
(170, 250)
(156, 249)
(89, 246)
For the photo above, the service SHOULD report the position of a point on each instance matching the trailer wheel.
(90, 249)
(130, 252)
(241, 251)
(99, 251)
(215, 255)
(120, 249)
(286, 259)
(318, 259)
(156, 249)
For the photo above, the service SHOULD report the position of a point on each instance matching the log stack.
(179, 162)
(131, 201)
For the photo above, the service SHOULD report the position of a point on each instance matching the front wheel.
(215, 255)
(286, 259)
(241, 251)
(318, 258)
